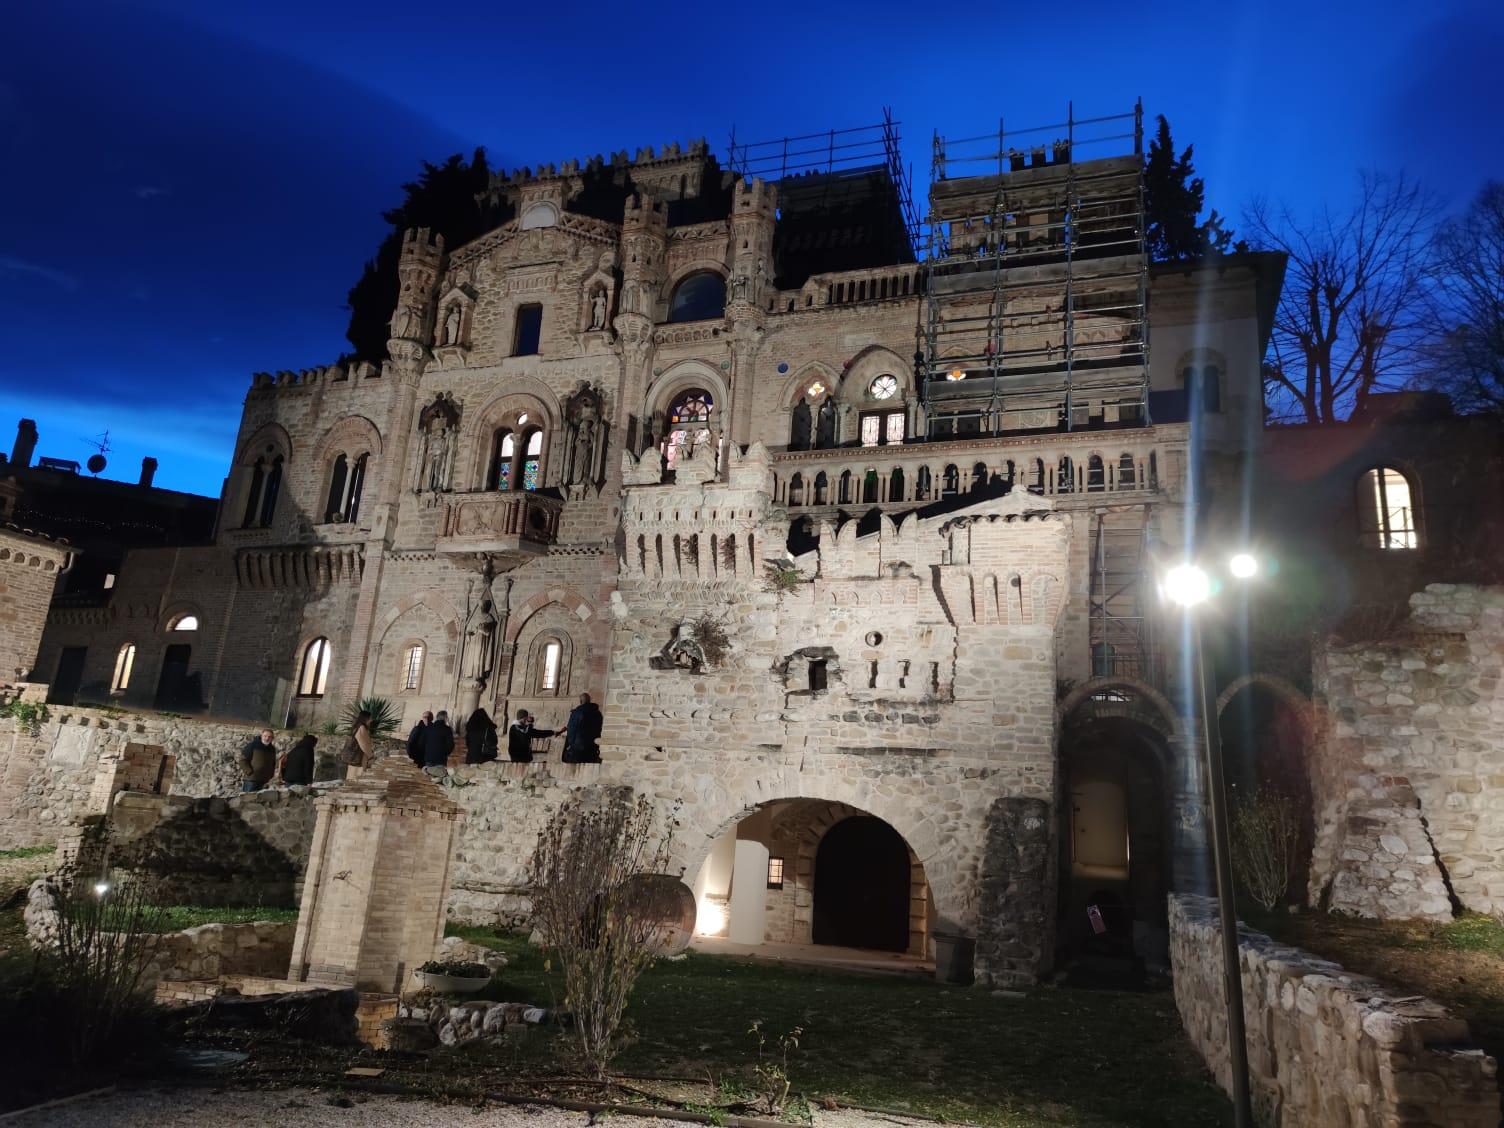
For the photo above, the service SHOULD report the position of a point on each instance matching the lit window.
(532, 462)
(522, 419)
(884, 387)
(123, 663)
(893, 428)
(688, 426)
(412, 667)
(955, 374)
(109, 580)
(879, 428)
(501, 476)
(871, 430)
(549, 679)
(775, 873)
(315, 672)
(184, 623)
(815, 390)
(1385, 509)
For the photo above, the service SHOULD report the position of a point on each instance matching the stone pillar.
(377, 880)
(1015, 904)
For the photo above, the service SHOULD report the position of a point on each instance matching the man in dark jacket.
(258, 760)
(438, 743)
(297, 765)
(582, 731)
(480, 738)
(415, 738)
(520, 738)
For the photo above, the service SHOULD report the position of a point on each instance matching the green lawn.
(27, 852)
(180, 917)
(1055, 1056)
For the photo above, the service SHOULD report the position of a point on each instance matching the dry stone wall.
(1408, 776)
(1326, 1049)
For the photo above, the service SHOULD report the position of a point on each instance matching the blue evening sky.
(190, 187)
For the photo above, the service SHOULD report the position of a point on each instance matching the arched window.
(1386, 510)
(1096, 473)
(922, 484)
(1127, 472)
(844, 494)
(869, 486)
(184, 622)
(1203, 388)
(269, 492)
(688, 425)
(950, 481)
(356, 487)
(503, 450)
(532, 461)
(796, 489)
(1065, 475)
(979, 476)
(822, 488)
(124, 661)
(314, 674)
(698, 297)
(895, 484)
(334, 507)
(412, 666)
(253, 494)
(550, 661)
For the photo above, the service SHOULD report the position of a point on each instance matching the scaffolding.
(1035, 311)
(1122, 629)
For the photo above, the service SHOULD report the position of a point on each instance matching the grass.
(1052, 1057)
(180, 917)
(27, 852)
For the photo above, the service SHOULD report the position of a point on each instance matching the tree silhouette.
(446, 199)
(1173, 198)
(1467, 291)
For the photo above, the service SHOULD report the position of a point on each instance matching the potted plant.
(453, 977)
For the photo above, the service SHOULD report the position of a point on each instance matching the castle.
(855, 541)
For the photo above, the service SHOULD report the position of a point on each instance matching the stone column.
(377, 880)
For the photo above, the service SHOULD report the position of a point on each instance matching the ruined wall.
(244, 850)
(1326, 1048)
(1408, 776)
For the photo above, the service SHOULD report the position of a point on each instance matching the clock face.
(884, 387)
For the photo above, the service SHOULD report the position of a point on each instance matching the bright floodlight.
(1187, 585)
(1243, 566)
(101, 888)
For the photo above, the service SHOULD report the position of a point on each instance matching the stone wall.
(244, 850)
(1408, 775)
(1325, 1048)
(29, 568)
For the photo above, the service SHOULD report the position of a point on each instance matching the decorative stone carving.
(452, 319)
(438, 428)
(598, 310)
(585, 427)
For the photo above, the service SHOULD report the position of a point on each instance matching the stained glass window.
(884, 387)
(533, 462)
(686, 419)
(502, 477)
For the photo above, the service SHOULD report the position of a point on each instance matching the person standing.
(297, 762)
(356, 755)
(258, 760)
(438, 743)
(480, 738)
(581, 732)
(415, 738)
(520, 738)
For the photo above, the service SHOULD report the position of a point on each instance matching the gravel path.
(307, 1108)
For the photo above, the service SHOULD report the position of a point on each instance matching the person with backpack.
(438, 743)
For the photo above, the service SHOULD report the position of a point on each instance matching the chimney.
(26, 444)
(148, 471)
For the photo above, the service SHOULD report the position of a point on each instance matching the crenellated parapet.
(306, 379)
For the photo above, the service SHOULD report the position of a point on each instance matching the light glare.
(101, 888)
(1243, 566)
(1187, 585)
(710, 918)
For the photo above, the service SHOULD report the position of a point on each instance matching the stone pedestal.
(377, 880)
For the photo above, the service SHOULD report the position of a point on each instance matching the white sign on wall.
(73, 745)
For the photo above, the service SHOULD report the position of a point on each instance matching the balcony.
(507, 527)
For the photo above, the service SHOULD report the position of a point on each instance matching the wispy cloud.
(10, 264)
(147, 191)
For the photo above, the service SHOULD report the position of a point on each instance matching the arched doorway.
(1115, 834)
(862, 886)
(811, 872)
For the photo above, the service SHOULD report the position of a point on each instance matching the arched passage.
(813, 872)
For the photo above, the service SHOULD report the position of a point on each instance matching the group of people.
(431, 740)
(259, 762)
(429, 745)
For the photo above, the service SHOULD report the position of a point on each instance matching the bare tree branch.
(1467, 289)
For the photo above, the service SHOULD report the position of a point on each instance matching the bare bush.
(107, 936)
(602, 926)
(1265, 833)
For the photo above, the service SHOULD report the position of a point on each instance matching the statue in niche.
(825, 430)
(799, 429)
(402, 323)
(438, 426)
(584, 448)
(480, 638)
(598, 310)
(452, 324)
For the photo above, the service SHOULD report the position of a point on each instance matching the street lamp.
(1189, 585)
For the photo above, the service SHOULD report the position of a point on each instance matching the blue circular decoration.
(725, 366)
(784, 367)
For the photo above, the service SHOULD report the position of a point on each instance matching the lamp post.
(1188, 585)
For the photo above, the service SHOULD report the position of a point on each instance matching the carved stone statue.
(584, 448)
(438, 428)
(598, 310)
(402, 322)
(480, 638)
(452, 324)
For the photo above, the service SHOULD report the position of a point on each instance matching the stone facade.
(1408, 778)
(1325, 1048)
(30, 564)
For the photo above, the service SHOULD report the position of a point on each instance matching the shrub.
(601, 924)
(709, 633)
(385, 716)
(107, 937)
(465, 969)
(1265, 839)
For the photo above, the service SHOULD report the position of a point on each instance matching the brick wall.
(29, 568)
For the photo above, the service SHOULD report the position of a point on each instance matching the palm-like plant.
(385, 716)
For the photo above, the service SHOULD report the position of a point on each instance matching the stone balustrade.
(517, 524)
(1138, 462)
(1326, 1048)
